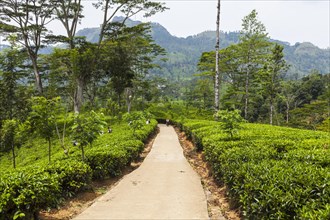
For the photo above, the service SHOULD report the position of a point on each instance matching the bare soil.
(217, 199)
(76, 205)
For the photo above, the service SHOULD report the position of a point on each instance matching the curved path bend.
(163, 187)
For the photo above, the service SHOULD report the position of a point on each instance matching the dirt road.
(163, 187)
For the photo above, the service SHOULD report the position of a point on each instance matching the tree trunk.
(93, 94)
(62, 139)
(14, 156)
(287, 111)
(271, 112)
(49, 150)
(129, 105)
(104, 23)
(33, 54)
(78, 95)
(37, 77)
(119, 101)
(82, 153)
(246, 94)
(217, 72)
(129, 97)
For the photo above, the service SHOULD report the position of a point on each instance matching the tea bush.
(24, 193)
(40, 185)
(271, 172)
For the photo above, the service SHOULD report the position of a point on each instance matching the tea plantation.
(37, 184)
(271, 172)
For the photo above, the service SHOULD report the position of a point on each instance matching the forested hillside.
(84, 110)
(184, 53)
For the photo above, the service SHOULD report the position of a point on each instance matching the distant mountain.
(3, 46)
(305, 57)
(91, 34)
(184, 53)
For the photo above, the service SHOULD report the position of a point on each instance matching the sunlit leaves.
(87, 128)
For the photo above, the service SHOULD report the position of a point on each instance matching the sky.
(286, 20)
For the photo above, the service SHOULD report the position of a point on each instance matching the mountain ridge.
(184, 52)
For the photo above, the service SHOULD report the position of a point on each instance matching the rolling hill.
(184, 53)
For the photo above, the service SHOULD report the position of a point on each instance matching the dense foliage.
(184, 53)
(67, 98)
(255, 81)
(63, 119)
(37, 184)
(271, 172)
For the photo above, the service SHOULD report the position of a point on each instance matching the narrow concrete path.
(163, 187)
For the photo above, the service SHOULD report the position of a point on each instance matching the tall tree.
(230, 72)
(203, 89)
(27, 20)
(43, 118)
(311, 87)
(129, 54)
(83, 70)
(288, 93)
(217, 72)
(8, 133)
(128, 8)
(272, 75)
(69, 13)
(60, 75)
(13, 93)
(73, 69)
(254, 47)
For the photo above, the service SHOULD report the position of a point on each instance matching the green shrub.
(106, 162)
(231, 121)
(314, 212)
(41, 185)
(72, 175)
(271, 172)
(24, 193)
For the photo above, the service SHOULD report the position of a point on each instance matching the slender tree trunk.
(37, 76)
(142, 102)
(129, 97)
(82, 153)
(287, 111)
(104, 23)
(49, 150)
(271, 112)
(14, 156)
(246, 94)
(62, 139)
(78, 96)
(119, 101)
(33, 54)
(217, 72)
(70, 18)
(129, 105)
(38, 82)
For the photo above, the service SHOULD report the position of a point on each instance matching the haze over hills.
(184, 53)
